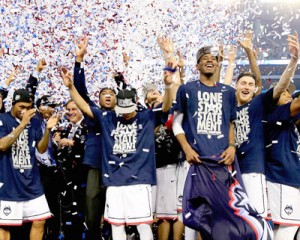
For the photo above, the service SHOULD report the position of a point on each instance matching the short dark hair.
(246, 74)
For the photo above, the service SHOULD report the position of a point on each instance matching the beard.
(207, 74)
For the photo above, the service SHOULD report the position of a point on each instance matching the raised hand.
(41, 65)
(180, 62)
(81, 46)
(12, 75)
(52, 121)
(126, 58)
(293, 45)
(165, 44)
(67, 77)
(246, 41)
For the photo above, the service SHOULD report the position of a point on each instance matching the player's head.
(107, 98)
(151, 95)
(126, 103)
(245, 87)
(46, 106)
(21, 102)
(207, 60)
(287, 95)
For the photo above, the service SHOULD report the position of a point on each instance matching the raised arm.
(169, 72)
(231, 66)
(7, 82)
(167, 47)
(42, 146)
(284, 81)
(217, 74)
(32, 83)
(246, 44)
(79, 75)
(79, 101)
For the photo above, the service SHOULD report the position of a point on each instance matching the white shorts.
(284, 203)
(15, 213)
(256, 188)
(131, 205)
(166, 203)
(182, 170)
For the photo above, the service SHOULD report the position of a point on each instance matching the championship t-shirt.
(249, 133)
(19, 173)
(208, 111)
(283, 148)
(128, 152)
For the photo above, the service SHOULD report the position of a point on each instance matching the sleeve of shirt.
(268, 102)
(39, 131)
(79, 83)
(280, 114)
(32, 84)
(160, 117)
(3, 128)
(97, 115)
(180, 104)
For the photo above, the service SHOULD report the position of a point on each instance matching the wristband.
(169, 69)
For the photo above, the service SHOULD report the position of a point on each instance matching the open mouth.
(108, 100)
(245, 93)
(209, 66)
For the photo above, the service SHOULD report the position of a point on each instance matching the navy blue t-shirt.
(208, 111)
(283, 149)
(249, 133)
(128, 152)
(166, 145)
(19, 173)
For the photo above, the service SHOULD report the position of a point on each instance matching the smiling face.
(207, 65)
(245, 88)
(284, 98)
(73, 112)
(107, 99)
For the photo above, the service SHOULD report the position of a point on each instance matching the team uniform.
(167, 153)
(128, 163)
(20, 184)
(283, 167)
(208, 111)
(249, 137)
